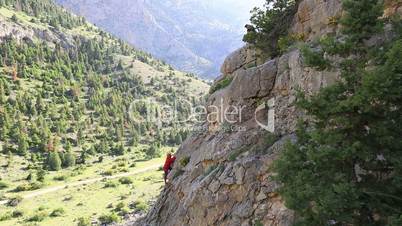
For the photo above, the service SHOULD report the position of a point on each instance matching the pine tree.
(22, 145)
(40, 175)
(54, 161)
(119, 150)
(69, 160)
(346, 166)
(83, 157)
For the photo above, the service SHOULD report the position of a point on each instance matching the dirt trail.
(83, 182)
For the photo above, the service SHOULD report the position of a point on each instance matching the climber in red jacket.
(168, 165)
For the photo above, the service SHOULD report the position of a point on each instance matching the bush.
(315, 59)
(110, 184)
(184, 161)
(3, 185)
(223, 83)
(125, 180)
(57, 212)
(17, 213)
(83, 221)
(287, 41)
(60, 178)
(38, 217)
(28, 187)
(140, 205)
(5, 217)
(153, 152)
(119, 206)
(108, 172)
(69, 160)
(109, 218)
(22, 187)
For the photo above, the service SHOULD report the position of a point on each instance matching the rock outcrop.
(20, 31)
(228, 178)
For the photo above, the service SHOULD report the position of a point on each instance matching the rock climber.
(168, 165)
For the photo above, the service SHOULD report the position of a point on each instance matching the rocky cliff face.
(227, 180)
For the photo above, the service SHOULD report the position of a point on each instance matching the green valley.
(76, 142)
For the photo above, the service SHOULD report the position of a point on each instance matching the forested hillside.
(69, 94)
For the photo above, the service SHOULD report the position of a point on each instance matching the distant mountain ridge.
(193, 35)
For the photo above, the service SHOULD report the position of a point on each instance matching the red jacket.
(169, 162)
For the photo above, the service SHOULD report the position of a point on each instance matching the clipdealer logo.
(183, 112)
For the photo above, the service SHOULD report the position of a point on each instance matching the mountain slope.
(74, 104)
(194, 35)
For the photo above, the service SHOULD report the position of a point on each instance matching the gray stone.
(261, 196)
(214, 186)
(239, 175)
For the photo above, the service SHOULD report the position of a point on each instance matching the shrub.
(125, 180)
(109, 218)
(35, 186)
(287, 41)
(60, 178)
(22, 187)
(258, 223)
(124, 211)
(69, 160)
(83, 221)
(17, 213)
(38, 217)
(108, 172)
(110, 184)
(153, 152)
(3, 185)
(119, 206)
(28, 187)
(5, 217)
(122, 164)
(124, 170)
(314, 59)
(223, 83)
(184, 161)
(57, 212)
(140, 205)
